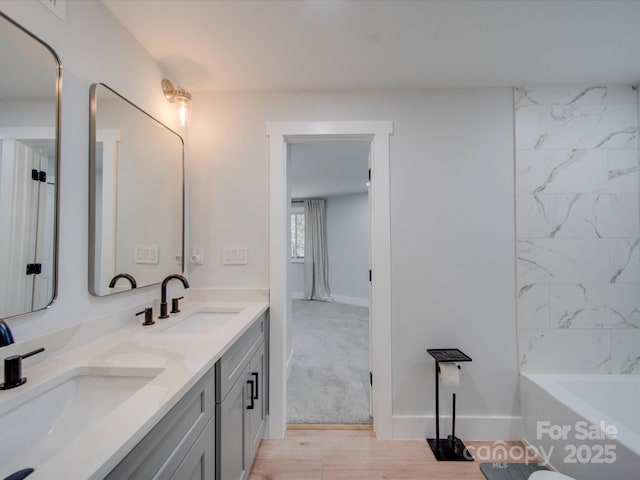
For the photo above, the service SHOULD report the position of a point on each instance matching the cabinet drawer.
(159, 454)
(233, 362)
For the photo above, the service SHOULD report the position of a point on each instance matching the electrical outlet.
(197, 258)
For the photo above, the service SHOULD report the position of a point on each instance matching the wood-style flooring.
(357, 454)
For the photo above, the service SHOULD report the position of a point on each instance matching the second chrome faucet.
(163, 299)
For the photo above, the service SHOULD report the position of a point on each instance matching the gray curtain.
(316, 261)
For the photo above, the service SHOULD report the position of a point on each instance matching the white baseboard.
(359, 302)
(289, 364)
(468, 427)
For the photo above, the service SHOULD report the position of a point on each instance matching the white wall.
(93, 47)
(347, 249)
(452, 220)
(578, 217)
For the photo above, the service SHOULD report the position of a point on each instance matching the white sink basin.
(203, 322)
(51, 415)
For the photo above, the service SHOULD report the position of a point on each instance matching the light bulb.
(183, 111)
(181, 98)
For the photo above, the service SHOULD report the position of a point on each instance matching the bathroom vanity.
(185, 398)
(205, 439)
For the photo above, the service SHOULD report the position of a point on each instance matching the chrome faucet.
(163, 300)
(6, 337)
(132, 280)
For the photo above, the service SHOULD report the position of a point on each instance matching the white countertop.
(183, 358)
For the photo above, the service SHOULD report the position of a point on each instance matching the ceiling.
(328, 168)
(210, 45)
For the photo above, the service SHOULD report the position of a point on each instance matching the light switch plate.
(147, 254)
(234, 255)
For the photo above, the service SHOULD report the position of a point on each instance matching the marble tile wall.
(578, 229)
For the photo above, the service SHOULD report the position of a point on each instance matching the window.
(297, 234)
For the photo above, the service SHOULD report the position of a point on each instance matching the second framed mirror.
(136, 196)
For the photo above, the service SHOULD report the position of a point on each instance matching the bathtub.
(585, 426)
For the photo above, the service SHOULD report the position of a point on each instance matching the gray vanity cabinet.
(241, 403)
(180, 444)
(256, 417)
(199, 464)
(214, 431)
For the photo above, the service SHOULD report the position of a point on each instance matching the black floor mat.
(509, 471)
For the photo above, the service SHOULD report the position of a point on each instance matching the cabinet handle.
(255, 374)
(252, 406)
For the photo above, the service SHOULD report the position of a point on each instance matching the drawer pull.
(255, 374)
(251, 406)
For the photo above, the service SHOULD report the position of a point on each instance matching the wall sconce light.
(180, 97)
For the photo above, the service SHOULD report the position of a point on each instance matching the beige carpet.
(329, 381)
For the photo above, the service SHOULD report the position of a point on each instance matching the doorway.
(280, 135)
(328, 364)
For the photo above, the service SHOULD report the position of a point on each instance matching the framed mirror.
(136, 196)
(30, 87)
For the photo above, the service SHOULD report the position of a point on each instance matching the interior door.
(370, 200)
(19, 219)
(43, 255)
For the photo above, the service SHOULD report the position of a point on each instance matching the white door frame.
(280, 133)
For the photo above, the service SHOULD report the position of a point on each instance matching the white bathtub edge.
(544, 397)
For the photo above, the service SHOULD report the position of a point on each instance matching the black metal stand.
(450, 448)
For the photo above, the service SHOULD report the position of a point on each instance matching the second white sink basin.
(50, 416)
(203, 322)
